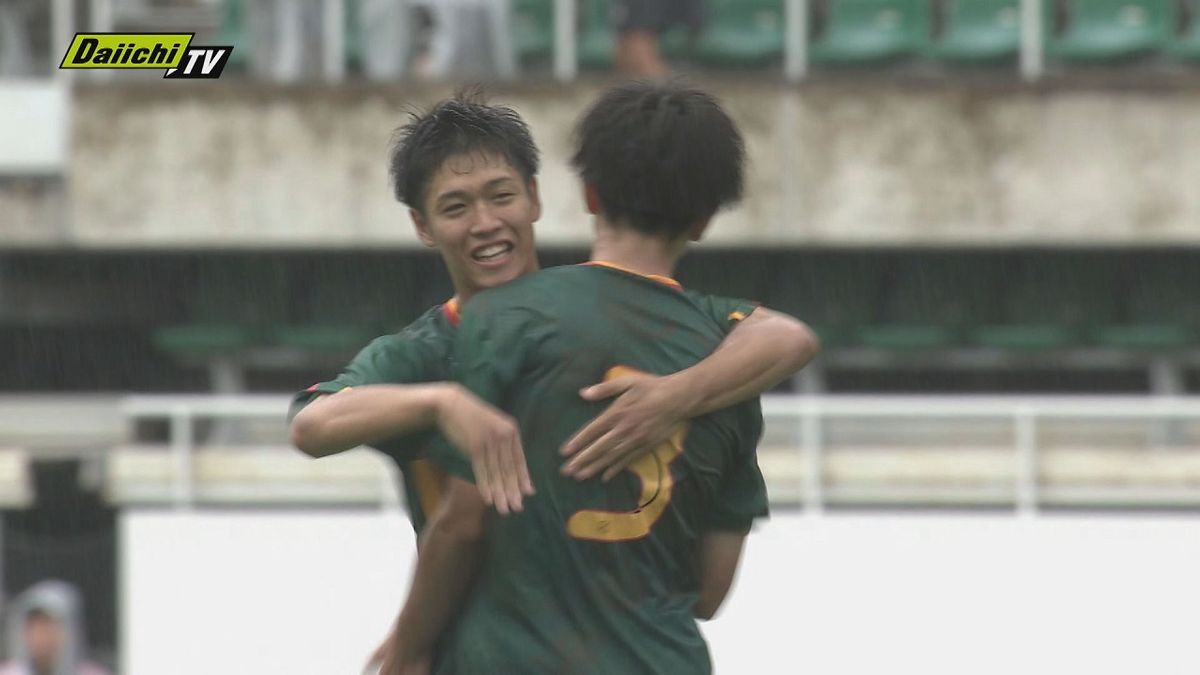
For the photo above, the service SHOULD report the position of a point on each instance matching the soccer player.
(467, 170)
(596, 577)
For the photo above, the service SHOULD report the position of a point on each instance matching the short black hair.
(661, 156)
(37, 614)
(460, 125)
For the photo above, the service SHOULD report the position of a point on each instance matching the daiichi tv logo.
(171, 52)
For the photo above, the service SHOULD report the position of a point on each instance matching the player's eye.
(454, 210)
(505, 197)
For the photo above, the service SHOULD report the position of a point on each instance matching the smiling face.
(478, 211)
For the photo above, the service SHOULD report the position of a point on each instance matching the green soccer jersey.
(420, 352)
(596, 578)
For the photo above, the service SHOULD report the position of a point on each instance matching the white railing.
(811, 416)
(1024, 413)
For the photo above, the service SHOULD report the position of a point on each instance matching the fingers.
(523, 471)
(510, 459)
(492, 459)
(587, 435)
(595, 457)
(608, 388)
(483, 477)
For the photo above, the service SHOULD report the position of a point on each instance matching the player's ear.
(536, 197)
(697, 231)
(591, 198)
(422, 226)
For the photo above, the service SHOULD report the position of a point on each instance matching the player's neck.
(634, 250)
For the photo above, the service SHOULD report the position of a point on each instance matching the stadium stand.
(533, 29)
(1104, 30)
(978, 31)
(742, 33)
(869, 31)
(753, 33)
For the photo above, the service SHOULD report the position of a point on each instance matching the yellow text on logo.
(126, 50)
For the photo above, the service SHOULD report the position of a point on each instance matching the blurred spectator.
(471, 40)
(387, 28)
(286, 37)
(16, 54)
(640, 23)
(45, 633)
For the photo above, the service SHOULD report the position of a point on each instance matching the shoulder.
(429, 330)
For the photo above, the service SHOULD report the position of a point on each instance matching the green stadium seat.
(353, 41)
(348, 305)
(233, 31)
(1161, 311)
(742, 33)
(202, 338)
(1047, 303)
(231, 308)
(597, 39)
(979, 31)
(1104, 30)
(1186, 44)
(326, 337)
(868, 31)
(533, 29)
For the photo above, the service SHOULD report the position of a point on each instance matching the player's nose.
(487, 222)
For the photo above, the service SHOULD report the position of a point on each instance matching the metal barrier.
(809, 414)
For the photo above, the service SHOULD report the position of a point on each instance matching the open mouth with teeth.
(492, 253)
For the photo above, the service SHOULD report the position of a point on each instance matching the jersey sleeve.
(391, 359)
(727, 312)
(489, 353)
(742, 496)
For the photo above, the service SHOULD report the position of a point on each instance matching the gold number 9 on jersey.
(654, 471)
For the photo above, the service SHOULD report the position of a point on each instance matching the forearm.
(367, 414)
(762, 351)
(719, 554)
(446, 567)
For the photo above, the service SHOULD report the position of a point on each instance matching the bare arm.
(368, 414)
(720, 553)
(451, 548)
(761, 351)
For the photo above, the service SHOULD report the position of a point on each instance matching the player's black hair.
(463, 124)
(661, 157)
(39, 613)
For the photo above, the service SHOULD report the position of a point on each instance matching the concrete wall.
(845, 163)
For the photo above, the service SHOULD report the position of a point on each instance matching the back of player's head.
(661, 157)
(464, 124)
